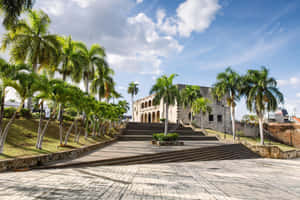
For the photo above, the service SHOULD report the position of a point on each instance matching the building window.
(211, 118)
(220, 118)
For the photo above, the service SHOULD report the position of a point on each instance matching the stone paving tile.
(228, 180)
(134, 148)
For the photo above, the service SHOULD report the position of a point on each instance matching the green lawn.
(253, 141)
(22, 137)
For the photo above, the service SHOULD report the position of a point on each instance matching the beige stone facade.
(219, 119)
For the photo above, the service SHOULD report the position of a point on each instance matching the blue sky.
(194, 38)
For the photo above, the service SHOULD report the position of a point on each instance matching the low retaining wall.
(32, 161)
(265, 151)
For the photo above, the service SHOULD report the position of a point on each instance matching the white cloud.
(298, 94)
(84, 3)
(196, 15)
(293, 81)
(54, 7)
(139, 1)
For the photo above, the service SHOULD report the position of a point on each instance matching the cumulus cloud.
(293, 81)
(196, 15)
(139, 1)
(298, 94)
(133, 43)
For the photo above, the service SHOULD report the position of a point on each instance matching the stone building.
(219, 119)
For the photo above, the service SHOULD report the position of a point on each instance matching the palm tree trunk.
(40, 125)
(167, 119)
(261, 128)
(69, 131)
(2, 108)
(191, 119)
(86, 130)
(232, 112)
(132, 107)
(94, 127)
(61, 124)
(5, 131)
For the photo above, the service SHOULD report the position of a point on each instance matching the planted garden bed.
(170, 139)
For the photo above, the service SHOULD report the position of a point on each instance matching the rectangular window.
(211, 118)
(220, 118)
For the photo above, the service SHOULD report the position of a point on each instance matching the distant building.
(281, 115)
(219, 119)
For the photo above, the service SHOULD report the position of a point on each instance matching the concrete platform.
(135, 148)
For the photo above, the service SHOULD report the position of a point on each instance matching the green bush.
(9, 112)
(162, 119)
(68, 117)
(25, 113)
(163, 137)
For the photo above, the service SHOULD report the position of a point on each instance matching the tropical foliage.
(133, 90)
(188, 95)
(228, 87)
(262, 95)
(165, 91)
(201, 106)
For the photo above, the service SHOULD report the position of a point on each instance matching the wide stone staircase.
(144, 132)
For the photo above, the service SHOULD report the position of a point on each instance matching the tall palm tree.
(25, 84)
(201, 106)
(188, 95)
(30, 42)
(12, 9)
(165, 90)
(8, 72)
(261, 94)
(94, 58)
(133, 90)
(228, 86)
(103, 83)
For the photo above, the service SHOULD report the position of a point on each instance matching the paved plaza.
(227, 179)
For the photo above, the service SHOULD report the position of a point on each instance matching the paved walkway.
(134, 148)
(229, 179)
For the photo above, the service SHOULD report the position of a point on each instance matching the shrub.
(163, 137)
(25, 113)
(9, 112)
(68, 117)
(162, 119)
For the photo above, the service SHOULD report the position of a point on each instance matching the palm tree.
(228, 86)
(165, 90)
(8, 72)
(188, 95)
(103, 83)
(261, 94)
(201, 106)
(30, 42)
(12, 9)
(94, 58)
(25, 84)
(133, 90)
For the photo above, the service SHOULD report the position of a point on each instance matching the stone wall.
(287, 133)
(32, 161)
(249, 130)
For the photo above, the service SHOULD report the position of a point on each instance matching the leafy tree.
(133, 90)
(8, 72)
(201, 106)
(228, 86)
(103, 83)
(94, 58)
(261, 94)
(30, 42)
(188, 95)
(12, 9)
(165, 90)
(25, 84)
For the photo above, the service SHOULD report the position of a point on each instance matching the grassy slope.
(253, 141)
(22, 137)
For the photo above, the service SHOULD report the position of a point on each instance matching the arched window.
(149, 103)
(153, 117)
(143, 105)
(158, 116)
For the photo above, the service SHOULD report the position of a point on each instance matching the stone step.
(222, 152)
(149, 138)
(151, 132)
